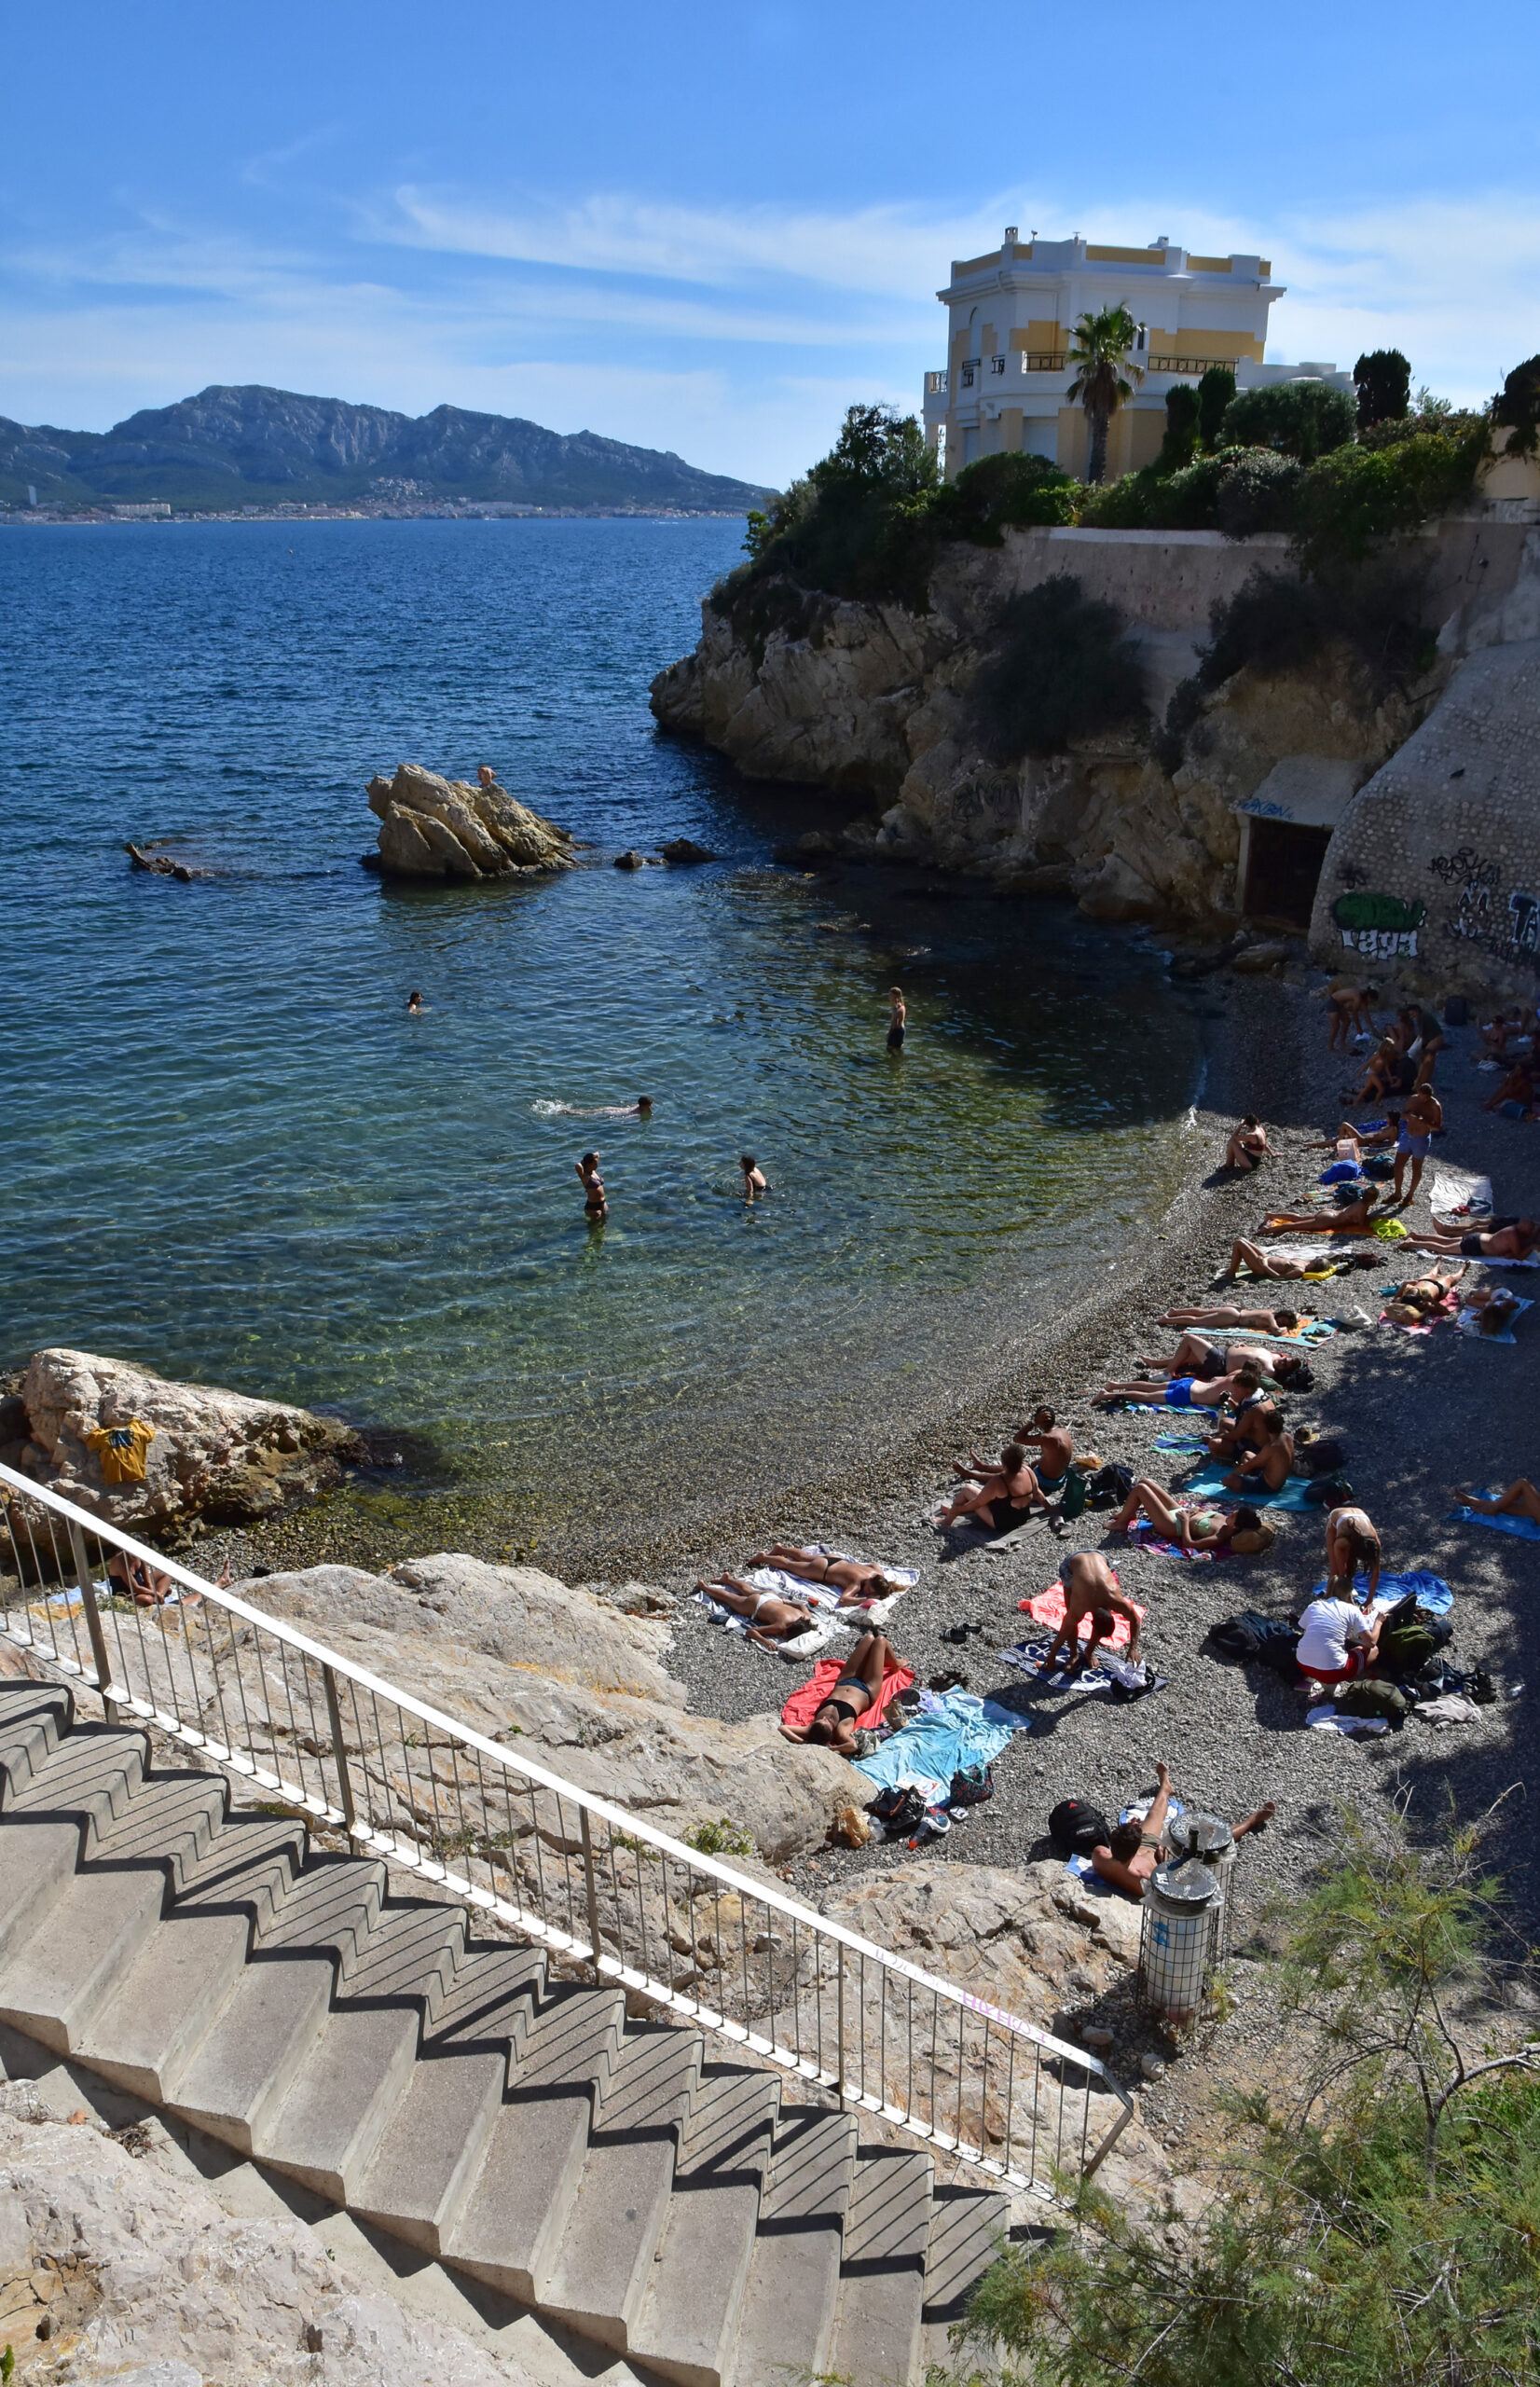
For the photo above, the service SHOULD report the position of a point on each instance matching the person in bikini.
(1278, 1271)
(771, 1620)
(1352, 1544)
(1350, 1142)
(1351, 1218)
(753, 1177)
(1008, 1496)
(1131, 1852)
(1520, 1499)
(837, 1719)
(1091, 1595)
(1224, 1314)
(1499, 1239)
(594, 1201)
(856, 1582)
(1426, 1296)
(1248, 1147)
(1194, 1524)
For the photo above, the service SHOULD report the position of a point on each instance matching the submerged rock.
(438, 828)
(212, 1457)
(684, 850)
(632, 859)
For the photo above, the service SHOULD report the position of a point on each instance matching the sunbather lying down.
(1132, 1851)
(1354, 1217)
(1225, 1313)
(1195, 1525)
(1520, 1499)
(1196, 1356)
(1268, 1264)
(1499, 1239)
(1188, 1392)
(1420, 1297)
(771, 1618)
(835, 1724)
(856, 1583)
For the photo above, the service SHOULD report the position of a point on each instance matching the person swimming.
(753, 1177)
(414, 1004)
(594, 1203)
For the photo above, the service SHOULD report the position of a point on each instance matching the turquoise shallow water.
(229, 1154)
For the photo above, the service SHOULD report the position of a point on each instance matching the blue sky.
(710, 227)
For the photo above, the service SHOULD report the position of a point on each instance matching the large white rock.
(431, 827)
(216, 1455)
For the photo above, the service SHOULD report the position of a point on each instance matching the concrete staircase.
(611, 2176)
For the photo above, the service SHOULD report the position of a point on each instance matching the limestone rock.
(632, 859)
(216, 1458)
(525, 1658)
(431, 827)
(1254, 959)
(148, 2281)
(1117, 892)
(683, 850)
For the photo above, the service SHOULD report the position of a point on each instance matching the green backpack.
(1074, 1498)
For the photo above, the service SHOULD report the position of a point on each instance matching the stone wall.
(1434, 872)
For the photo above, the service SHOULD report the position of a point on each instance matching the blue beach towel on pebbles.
(1522, 1529)
(954, 1731)
(1210, 1483)
(1429, 1591)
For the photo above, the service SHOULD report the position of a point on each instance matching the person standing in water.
(593, 1186)
(414, 1004)
(753, 1177)
(898, 1019)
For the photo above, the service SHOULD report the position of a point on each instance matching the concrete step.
(172, 1822)
(34, 1718)
(80, 1945)
(249, 1868)
(414, 1951)
(573, 2039)
(602, 2267)
(491, 1999)
(968, 2229)
(329, 2126)
(89, 1778)
(146, 2029)
(882, 2281)
(242, 2068)
(331, 1908)
(689, 2318)
(431, 2149)
(790, 2299)
(37, 1861)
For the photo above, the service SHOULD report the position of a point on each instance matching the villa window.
(997, 364)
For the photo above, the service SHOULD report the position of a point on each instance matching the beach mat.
(1209, 1483)
(954, 1733)
(1466, 1323)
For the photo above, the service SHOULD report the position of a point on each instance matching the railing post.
(839, 2025)
(344, 1779)
(93, 1621)
(590, 1887)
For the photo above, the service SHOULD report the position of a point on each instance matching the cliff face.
(872, 701)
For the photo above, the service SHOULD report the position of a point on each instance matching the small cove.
(232, 1157)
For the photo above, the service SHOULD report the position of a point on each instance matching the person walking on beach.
(753, 1177)
(1421, 1121)
(898, 1019)
(593, 1186)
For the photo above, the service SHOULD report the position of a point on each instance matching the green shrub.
(849, 527)
(1519, 406)
(1304, 419)
(1119, 505)
(1383, 380)
(1001, 492)
(1058, 671)
(1216, 388)
(1180, 443)
(723, 1838)
(1256, 491)
(1350, 500)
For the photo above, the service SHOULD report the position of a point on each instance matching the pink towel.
(805, 1703)
(1048, 1608)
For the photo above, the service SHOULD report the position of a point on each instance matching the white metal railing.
(600, 1886)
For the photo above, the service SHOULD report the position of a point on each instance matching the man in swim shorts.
(1421, 1121)
(1090, 1591)
(1186, 1392)
(898, 1019)
(1499, 1239)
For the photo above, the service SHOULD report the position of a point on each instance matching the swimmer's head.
(1013, 1457)
(747, 1162)
(413, 999)
(590, 1160)
(644, 1104)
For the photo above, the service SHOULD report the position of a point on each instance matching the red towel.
(1048, 1608)
(803, 1704)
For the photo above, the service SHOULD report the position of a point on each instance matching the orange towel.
(804, 1704)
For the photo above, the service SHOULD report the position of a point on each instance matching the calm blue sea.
(229, 1154)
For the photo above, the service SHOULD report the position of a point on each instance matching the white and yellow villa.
(1010, 316)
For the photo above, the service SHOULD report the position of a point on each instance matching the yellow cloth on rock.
(122, 1452)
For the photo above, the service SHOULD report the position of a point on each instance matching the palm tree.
(1099, 347)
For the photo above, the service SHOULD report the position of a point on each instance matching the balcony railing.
(297, 1722)
(935, 384)
(1192, 364)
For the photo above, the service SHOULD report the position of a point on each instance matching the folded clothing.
(959, 1730)
(1467, 1321)
(805, 1701)
(1523, 1528)
(1048, 1608)
(1328, 1718)
(1209, 1482)
(1429, 1591)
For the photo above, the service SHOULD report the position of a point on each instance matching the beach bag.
(1076, 1828)
(1379, 1699)
(1108, 1485)
(1075, 1498)
(1240, 1636)
(1379, 1168)
(1335, 1492)
(1323, 1457)
(900, 1811)
(971, 1785)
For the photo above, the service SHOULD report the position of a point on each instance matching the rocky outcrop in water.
(437, 828)
(211, 1458)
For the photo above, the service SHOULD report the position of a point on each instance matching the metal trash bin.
(1211, 1841)
(1175, 1938)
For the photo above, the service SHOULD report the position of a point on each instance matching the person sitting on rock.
(1132, 1851)
(1007, 1497)
(856, 1582)
(1090, 1592)
(1248, 1147)
(837, 1721)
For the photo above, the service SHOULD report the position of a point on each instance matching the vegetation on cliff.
(1380, 2229)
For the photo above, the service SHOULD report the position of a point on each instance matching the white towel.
(822, 1630)
(1467, 1321)
(1356, 1728)
(1459, 1197)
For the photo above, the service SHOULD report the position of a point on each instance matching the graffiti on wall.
(1381, 927)
(1510, 930)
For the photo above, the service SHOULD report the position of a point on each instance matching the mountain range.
(230, 447)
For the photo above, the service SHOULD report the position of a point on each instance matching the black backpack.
(900, 1811)
(1076, 1828)
(1252, 1635)
(1317, 1458)
(1108, 1485)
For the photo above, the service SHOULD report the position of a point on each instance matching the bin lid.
(1199, 1835)
(1184, 1883)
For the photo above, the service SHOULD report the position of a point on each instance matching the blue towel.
(1209, 1482)
(1431, 1591)
(1337, 1174)
(1179, 1442)
(959, 1729)
(1525, 1529)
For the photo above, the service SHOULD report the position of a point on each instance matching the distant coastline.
(136, 517)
